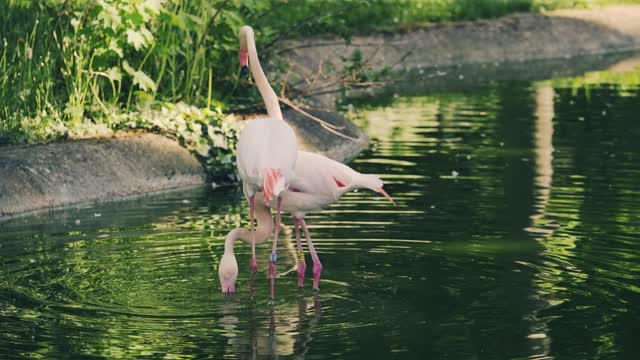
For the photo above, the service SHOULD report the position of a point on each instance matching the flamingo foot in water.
(272, 277)
(252, 275)
(252, 279)
(317, 269)
(302, 267)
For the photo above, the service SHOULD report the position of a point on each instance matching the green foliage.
(207, 133)
(88, 68)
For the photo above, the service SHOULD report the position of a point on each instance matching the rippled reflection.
(515, 236)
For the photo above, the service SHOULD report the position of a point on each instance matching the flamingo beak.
(244, 63)
(384, 193)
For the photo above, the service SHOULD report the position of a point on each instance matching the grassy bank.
(74, 68)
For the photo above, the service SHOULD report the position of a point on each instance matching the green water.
(515, 236)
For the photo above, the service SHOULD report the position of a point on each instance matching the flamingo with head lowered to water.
(266, 151)
(319, 182)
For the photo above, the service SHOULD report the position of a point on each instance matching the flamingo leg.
(252, 206)
(317, 265)
(254, 264)
(302, 266)
(274, 256)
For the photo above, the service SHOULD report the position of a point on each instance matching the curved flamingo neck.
(247, 42)
(232, 236)
(263, 229)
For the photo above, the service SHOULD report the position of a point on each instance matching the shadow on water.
(514, 237)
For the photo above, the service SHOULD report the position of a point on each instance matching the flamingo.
(266, 151)
(228, 267)
(319, 182)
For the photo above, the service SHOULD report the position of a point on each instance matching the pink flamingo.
(319, 182)
(228, 267)
(267, 150)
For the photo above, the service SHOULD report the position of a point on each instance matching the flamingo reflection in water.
(284, 330)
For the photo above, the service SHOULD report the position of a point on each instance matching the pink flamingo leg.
(302, 266)
(317, 266)
(254, 264)
(272, 262)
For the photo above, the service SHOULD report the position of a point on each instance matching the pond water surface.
(515, 236)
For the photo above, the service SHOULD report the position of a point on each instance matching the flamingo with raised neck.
(267, 151)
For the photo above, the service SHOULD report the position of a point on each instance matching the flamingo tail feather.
(273, 184)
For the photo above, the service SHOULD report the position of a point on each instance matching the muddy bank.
(313, 137)
(36, 177)
(468, 76)
(59, 174)
(515, 38)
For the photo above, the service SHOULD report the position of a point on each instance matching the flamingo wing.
(267, 151)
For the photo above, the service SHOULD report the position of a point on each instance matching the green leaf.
(154, 6)
(136, 39)
(139, 78)
(115, 47)
(109, 15)
(114, 74)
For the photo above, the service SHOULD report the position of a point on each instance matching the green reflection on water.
(514, 236)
